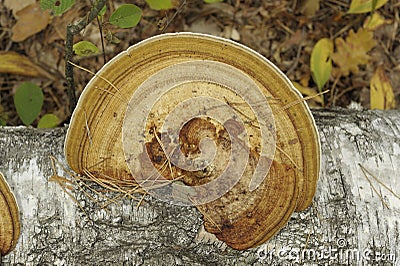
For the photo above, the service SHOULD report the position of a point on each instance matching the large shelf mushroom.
(120, 132)
(9, 218)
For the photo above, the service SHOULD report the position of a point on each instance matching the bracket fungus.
(199, 120)
(9, 218)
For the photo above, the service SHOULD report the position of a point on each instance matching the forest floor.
(283, 31)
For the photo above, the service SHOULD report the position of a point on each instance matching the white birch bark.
(348, 221)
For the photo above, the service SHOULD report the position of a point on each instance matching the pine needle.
(289, 105)
(94, 74)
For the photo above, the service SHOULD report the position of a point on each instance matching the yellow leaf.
(364, 6)
(381, 91)
(353, 52)
(321, 62)
(374, 21)
(14, 63)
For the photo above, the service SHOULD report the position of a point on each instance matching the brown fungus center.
(201, 156)
(193, 132)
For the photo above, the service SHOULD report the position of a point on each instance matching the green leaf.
(126, 16)
(102, 11)
(28, 101)
(321, 61)
(48, 121)
(85, 48)
(213, 1)
(364, 6)
(159, 4)
(58, 6)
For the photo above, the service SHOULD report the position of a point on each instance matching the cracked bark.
(347, 217)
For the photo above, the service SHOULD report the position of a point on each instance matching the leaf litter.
(283, 31)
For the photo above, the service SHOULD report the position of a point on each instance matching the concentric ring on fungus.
(9, 218)
(188, 76)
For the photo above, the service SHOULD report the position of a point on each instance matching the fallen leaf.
(305, 79)
(17, 5)
(31, 21)
(296, 38)
(14, 63)
(309, 7)
(364, 6)
(231, 33)
(374, 21)
(381, 91)
(353, 52)
(235, 35)
(204, 26)
(321, 62)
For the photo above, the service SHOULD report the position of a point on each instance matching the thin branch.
(102, 39)
(72, 30)
(101, 35)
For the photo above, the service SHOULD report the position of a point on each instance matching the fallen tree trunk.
(354, 219)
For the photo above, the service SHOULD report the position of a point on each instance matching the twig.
(333, 91)
(72, 30)
(102, 39)
(101, 35)
(296, 61)
(173, 16)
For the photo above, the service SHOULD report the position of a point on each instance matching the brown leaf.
(17, 5)
(353, 52)
(14, 63)
(31, 21)
(296, 38)
(309, 7)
